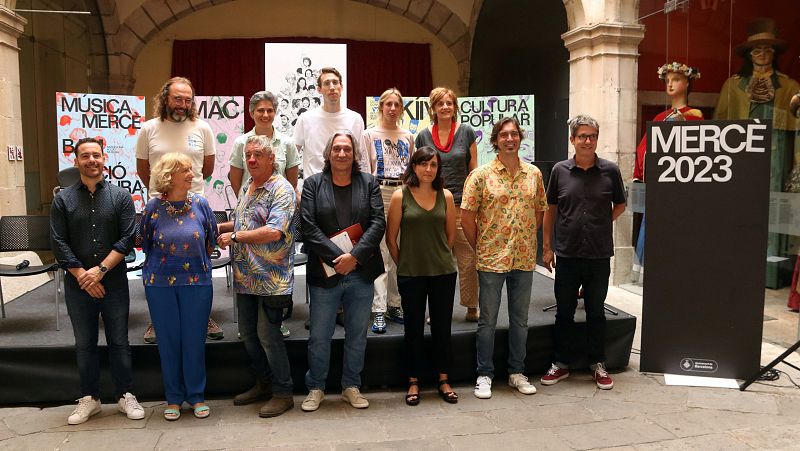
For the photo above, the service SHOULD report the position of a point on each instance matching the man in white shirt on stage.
(176, 127)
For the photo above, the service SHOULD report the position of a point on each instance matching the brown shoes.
(276, 406)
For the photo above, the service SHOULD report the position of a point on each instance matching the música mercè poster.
(113, 119)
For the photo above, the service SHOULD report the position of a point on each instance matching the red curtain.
(236, 67)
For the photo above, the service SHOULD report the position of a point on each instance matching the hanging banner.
(113, 119)
(481, 113)
(225, 115)
(706, 247)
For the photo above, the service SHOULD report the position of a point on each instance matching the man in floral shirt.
(262, 241)
(501, 210)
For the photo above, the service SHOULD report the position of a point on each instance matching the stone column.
(12, 173)
(603, 83)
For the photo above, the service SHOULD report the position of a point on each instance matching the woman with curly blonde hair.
(179, 231)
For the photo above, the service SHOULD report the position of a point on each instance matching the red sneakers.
(554, 374)
(601, 378)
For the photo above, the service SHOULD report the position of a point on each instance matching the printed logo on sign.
(699, 365)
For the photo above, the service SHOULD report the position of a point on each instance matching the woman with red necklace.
(459, 154)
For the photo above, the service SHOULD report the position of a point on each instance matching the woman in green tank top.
(423, 216)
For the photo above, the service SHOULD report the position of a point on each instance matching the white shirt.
(191, 137)
(315, 127)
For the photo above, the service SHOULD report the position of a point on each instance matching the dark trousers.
(438, 292)
(248, 331)
(571, 274)
(84, 312)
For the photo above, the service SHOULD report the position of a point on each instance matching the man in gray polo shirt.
(585, 195)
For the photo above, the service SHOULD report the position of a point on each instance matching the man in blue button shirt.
(92, 229)
(585, 195)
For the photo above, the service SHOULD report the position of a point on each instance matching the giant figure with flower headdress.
(678, 80)
(760, 91)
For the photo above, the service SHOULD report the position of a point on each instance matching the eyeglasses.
(584, 138)
(506, 135)
(182, 100)
(758, 51)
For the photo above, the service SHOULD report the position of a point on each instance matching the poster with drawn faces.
(291, 73)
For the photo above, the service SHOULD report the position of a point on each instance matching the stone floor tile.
(541, 417)
(710, 442)
(395, 405)
(457, 423)
(735, 400)
(789, 405)
(772, 437)
(432, 444)
(543, 398)
(118, 440)
(612, 409)
(332, 408)
(628, 431)
(503, 397)
(578, 384)
(243, 414)
(108, 419)
(646, 391)
(513, 440)
(41, 420)
(11, 411)
(34, 442)
(214, 438)
(5, 432)
(326, 431)
(617, 448)
(706, 421)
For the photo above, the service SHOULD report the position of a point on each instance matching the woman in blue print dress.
(179, 232)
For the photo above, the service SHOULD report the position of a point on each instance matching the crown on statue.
(691, 73)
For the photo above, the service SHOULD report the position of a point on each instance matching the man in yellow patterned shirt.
(501, 210)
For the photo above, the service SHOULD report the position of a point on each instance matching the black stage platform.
(37, 363)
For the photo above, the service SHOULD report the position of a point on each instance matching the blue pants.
(84, 312)
(518, 287)
(354, 294)
(275, 365)
(180, 316)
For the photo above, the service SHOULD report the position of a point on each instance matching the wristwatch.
(103, 268)
(233, 237)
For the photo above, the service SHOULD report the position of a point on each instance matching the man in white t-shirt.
(175, 127)
(315, 127)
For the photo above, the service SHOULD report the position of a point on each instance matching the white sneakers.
(130, 407)
(313, 400)
(483, 387)
(520, 382)
(88, 406)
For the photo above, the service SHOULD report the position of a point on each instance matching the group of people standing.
(371, 200)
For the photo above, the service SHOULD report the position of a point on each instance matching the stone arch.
(127, 39)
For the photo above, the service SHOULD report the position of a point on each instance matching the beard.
(176, 116)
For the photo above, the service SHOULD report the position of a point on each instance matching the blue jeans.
(84, 311)
(592, 274)
(518, 289)
(270, 340)
(180, 316)
(248, 306)
(354, 294)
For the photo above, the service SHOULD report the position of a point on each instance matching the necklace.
(187, 205)
(449, 144)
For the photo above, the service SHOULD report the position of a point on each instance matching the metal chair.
(65, 177)
(130, 259)
(26, 233)
(217, 261)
